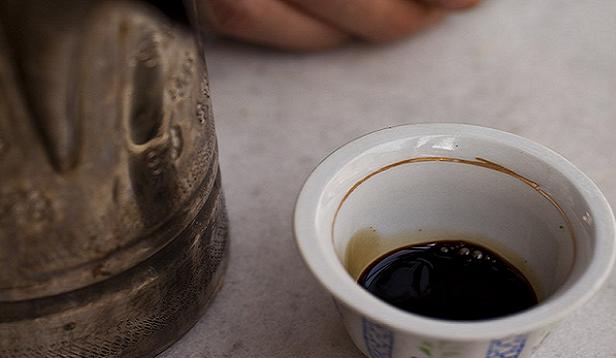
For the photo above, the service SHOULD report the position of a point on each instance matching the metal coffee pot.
(112, 220)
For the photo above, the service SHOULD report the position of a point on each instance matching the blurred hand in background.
(311, 25)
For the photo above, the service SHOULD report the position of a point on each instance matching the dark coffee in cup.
(451, 280)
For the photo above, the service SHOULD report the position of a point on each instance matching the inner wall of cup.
(442, 200)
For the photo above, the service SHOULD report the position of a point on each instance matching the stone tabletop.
(545, 70)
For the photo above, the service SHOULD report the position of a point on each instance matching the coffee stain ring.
(479, 162)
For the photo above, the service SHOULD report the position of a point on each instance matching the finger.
(270, 22)
(374, 20)
(452, 4)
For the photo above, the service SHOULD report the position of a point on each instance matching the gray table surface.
(545, 70)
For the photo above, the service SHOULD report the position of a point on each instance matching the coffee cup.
(413, 183)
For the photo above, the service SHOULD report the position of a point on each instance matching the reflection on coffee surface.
(451, 280)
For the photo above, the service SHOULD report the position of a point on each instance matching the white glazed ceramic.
(420, 181)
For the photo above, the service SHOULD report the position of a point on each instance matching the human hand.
(310, 25)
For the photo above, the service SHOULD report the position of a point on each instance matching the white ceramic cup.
(413, 183)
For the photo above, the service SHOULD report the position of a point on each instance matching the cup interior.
(439, 186)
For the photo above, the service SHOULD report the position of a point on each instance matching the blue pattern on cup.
(379, 340)
(510, 347)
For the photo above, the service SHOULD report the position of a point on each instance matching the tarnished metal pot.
(112, 221)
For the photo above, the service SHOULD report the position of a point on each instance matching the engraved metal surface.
(112, 220)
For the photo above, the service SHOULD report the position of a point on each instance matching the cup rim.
(325, 265)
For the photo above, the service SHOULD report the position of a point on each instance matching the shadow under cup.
(442, 187)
